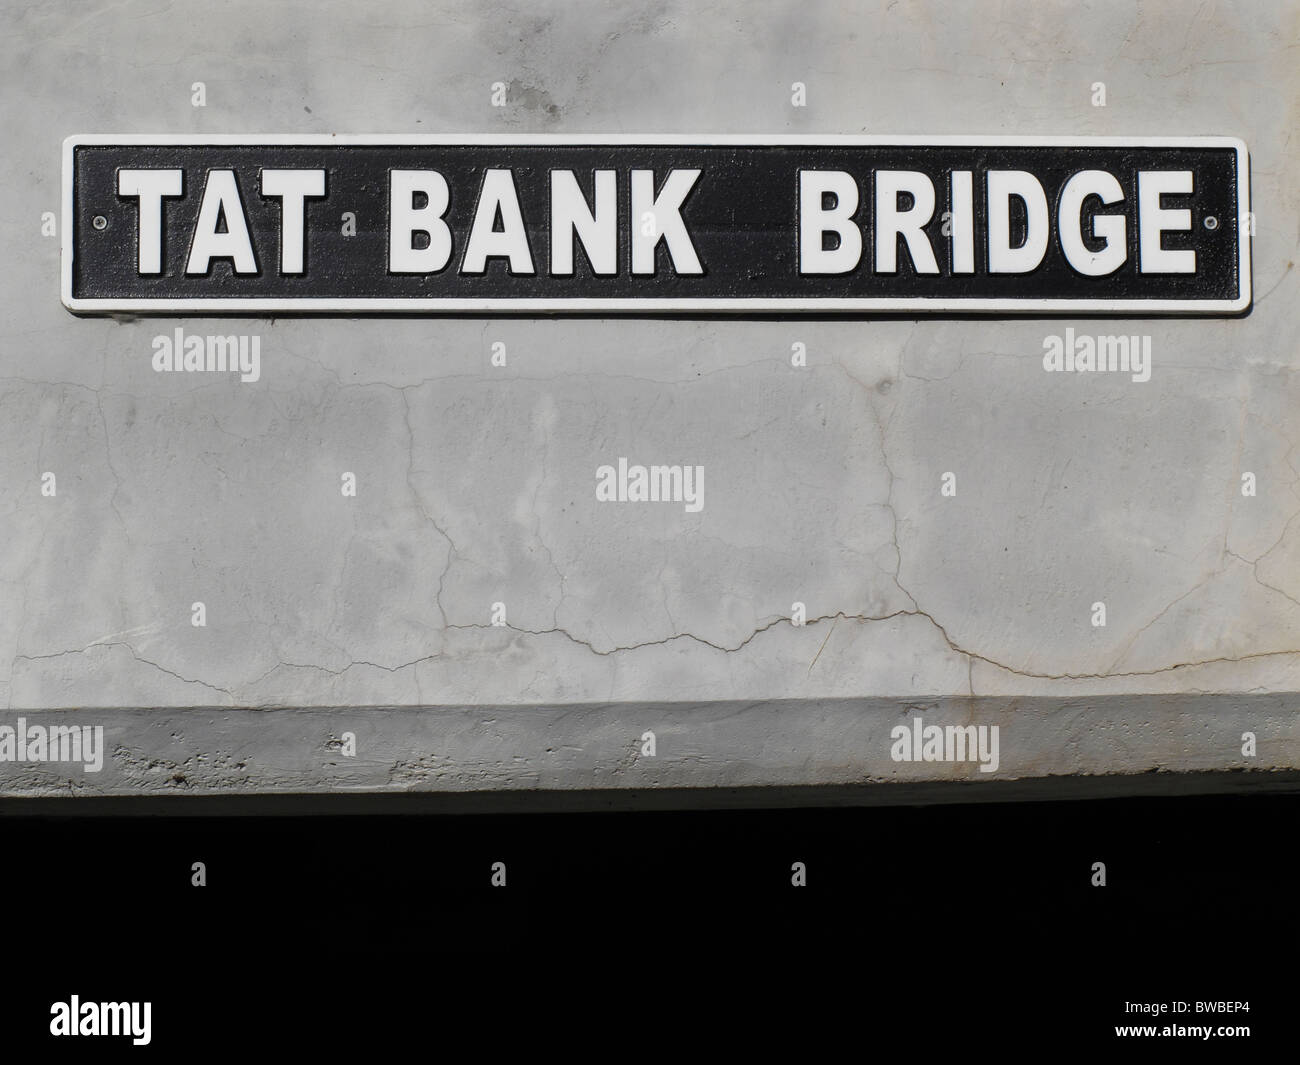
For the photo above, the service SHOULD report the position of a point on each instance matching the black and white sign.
(655, 225)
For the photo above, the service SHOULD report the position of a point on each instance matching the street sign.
(655, 225)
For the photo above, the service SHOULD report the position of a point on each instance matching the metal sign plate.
(655, 225)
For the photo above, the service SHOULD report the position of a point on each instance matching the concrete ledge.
(722, 753)
(631, 800)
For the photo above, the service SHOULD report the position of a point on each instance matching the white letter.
(140, 1024)
(1154, 220)
(162, 353)
(570, 215)
(901, 749)
(405, 220)
(292, 187)
(963, 223)
(668, 224)
(891, 222)
(815, 222)
(150, 186)
(606, 484)
(1003, 258)
(251, 366)
(988, 748)
(221, 198)
(1110, 228)
(1141, 359)
(498, 193)
(693, 494)
(92, 747)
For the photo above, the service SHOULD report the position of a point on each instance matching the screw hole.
(1211, 222)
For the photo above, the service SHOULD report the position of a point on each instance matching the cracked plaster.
(476, 484)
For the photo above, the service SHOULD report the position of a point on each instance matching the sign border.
(649, 306)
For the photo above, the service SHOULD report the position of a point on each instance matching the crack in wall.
(882, 428)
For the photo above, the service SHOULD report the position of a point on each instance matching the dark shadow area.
(962, 925)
